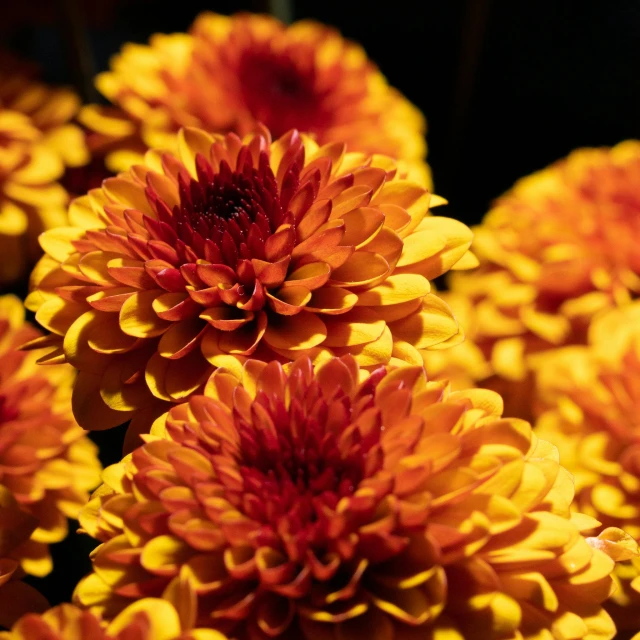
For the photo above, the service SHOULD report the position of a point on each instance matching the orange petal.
(137, 317)
(289, 301)
(353, 328)
(302, 332)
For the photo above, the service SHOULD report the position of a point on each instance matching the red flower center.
(298, 462)
(7, 412)
(279, 89)
(226, 216)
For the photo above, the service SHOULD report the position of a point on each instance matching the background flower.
(555, 250)
(590, 402)
(46, 461)
(238, 249)
(336, 504)
(229, 73)
(37, 142)
(16, 598)
(146, 619)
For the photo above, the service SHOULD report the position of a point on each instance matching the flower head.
(590, 407)
(230, 73)
(556, 249)
(335, 503)
(238, 249)
(16, 526)
(46, 461)
(36, 143)
(146, 619)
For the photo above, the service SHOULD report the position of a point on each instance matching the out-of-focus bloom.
(146, 619)
(340, 504)
(46, 460)
(16, 598)
(37, 142)
(268, 250)
(556, 249)
(590, 408)
(50, 109)
(229, 73)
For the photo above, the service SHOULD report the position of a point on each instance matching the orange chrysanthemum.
(46, 460)
(146, 619)
(557, 248)
(234, 250)
(229, 73)
(337, 504)
(590, 403)
(16, 526)
(36, 143)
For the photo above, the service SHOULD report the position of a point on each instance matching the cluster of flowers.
(316, 445)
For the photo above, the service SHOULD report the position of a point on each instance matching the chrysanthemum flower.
(16, 526)
(234, 250)
(36, 143)
(590, 397)
(146, 619)
(46, 461)
(556, 249)
(229, 73)
(337, 504)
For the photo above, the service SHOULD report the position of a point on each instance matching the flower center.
(299, 461)
(233, 212)
(280, 90)
(7, 412)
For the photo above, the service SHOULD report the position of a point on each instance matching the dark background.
(507, 86)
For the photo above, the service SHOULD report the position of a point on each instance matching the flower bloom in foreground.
(16, 526)
(37, 142)
(240, 249)
(557, 248)
(590, 399)
(230, 73)
(339, 504)
(146, 619)
(46, 460)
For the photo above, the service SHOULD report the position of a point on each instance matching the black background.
(508, 86)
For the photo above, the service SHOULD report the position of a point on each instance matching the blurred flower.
(46, 461)
(146, 619)
(556, 249)
(590, 408)
(229, 73)
(337, 504)
(16, 598)
(36, 143)
(235, 250)
(50, 109)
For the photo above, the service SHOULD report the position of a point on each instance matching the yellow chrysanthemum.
(16, 526)
(556, 249)
(146, 619)
(229, 73)
(46, 461)
(590, 404)
(238, 249)
(337, 504)
(36, 143)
